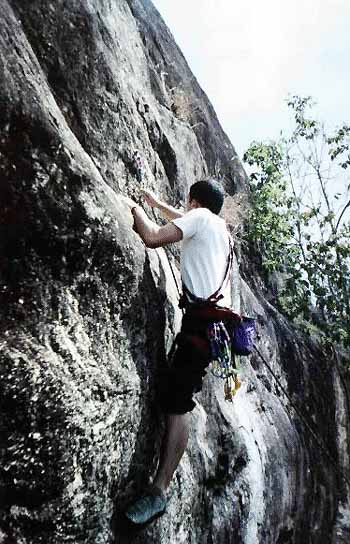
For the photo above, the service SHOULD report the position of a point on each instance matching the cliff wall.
(87, 313)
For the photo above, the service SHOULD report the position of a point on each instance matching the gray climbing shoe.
(149, 506)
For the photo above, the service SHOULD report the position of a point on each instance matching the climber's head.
(206, 194)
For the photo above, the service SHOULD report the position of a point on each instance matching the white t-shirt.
(204, 253)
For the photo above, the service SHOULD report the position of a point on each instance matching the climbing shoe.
(148, 507)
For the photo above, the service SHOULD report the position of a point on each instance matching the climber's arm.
(169, 212)
(153, 235)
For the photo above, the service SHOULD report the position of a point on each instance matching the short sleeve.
(189, 223)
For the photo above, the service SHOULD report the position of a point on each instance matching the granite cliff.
(87, 313)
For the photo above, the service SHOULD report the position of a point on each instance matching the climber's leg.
(173, 447)
(177, 384)
(152, 503)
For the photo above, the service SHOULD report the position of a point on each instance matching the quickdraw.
(223, 361)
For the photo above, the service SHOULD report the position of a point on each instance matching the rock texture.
(87, 314)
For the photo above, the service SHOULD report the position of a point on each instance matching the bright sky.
(248, 55)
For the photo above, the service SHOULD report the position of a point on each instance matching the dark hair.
(208, 194)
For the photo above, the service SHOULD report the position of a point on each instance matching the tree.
(299, 220)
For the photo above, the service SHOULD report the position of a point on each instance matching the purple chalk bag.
(244, 336)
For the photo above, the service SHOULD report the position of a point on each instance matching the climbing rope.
(317, 439)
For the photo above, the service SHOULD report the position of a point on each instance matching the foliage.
(299, 220)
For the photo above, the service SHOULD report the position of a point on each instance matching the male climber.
(205, 266)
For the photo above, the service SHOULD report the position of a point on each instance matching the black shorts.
(190, 356)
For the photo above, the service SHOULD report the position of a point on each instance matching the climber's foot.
(148, 507)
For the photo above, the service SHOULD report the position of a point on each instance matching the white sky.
(249, 54)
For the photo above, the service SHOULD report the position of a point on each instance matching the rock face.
(87, 313)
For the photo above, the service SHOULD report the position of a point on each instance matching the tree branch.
(341, 215)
